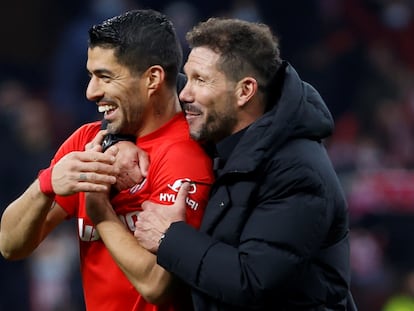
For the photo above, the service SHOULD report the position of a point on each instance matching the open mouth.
(192, 113)
(106, 108)
(191, 110)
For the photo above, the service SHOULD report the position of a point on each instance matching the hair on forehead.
(244, 47)
(140, 39)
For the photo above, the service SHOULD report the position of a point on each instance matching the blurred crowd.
(358, 53)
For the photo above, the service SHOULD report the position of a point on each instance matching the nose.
(186, 94)
(93, 91)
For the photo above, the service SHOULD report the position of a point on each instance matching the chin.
(195, 135)
(112, 129)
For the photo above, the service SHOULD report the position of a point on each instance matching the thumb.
(183, 193)
(145, 205)
(95, 144)
(96, 148)
(113, 150)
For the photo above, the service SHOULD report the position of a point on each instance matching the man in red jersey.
(133, 63)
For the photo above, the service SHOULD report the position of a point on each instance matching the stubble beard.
(214, 128)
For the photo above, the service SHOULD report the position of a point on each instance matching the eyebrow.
(101, 71)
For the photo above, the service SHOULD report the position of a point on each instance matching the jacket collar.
(297, 111)
(225, 148)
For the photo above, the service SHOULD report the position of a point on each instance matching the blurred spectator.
(370, 274)
(68, 75)
(332, 58)
(184, 16)
(52, 268)
(403, 298)
(26, 139)
(25, 121)
(247, 10)
(359, 55)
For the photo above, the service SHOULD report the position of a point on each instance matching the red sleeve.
(75, 142)
(176, 163)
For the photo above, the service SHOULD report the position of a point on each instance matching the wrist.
(163, 235)
(45, 182)
(161, 238)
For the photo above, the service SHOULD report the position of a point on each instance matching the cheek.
(133, 104)
(135, 112)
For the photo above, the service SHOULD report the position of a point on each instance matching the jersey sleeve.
(175, 164)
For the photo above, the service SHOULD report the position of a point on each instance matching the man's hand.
(132, 164)
(84, 171)
(155, 219)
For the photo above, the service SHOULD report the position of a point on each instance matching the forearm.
(139, 265)
(244, 277)
(23, 223)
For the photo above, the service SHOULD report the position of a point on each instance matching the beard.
(127, 123)
(216, 126)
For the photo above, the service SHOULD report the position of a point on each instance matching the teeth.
(105, 108)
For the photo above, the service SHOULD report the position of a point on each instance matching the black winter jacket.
(275, 232)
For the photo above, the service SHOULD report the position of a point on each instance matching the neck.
(162, 108)
(248, 114)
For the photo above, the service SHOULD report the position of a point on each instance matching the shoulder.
(186, 151)
(301, 163)
(181, 158)
(87, 131)
(174, 141)
(79, 138)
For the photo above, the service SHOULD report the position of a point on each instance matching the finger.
(95, 156)
(99, 137)
(95, 167)
(94, 178)
(96, 142)
(113, 150)
(83, 177)
(88, 146)
(91, 187)
(146, 205)
(183, 193)
(96, 148)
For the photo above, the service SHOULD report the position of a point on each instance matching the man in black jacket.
(275, 232)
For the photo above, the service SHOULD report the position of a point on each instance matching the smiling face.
(209, 97)
(117, 92)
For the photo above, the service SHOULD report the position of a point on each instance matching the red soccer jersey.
(174, 157)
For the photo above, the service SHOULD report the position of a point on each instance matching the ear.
(155, 77)
(246, 89)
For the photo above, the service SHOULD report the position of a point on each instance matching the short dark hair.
(246, 48)
(141, 38)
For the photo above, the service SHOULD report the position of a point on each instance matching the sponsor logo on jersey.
(178, 183)
(88, 233)
(171, 197)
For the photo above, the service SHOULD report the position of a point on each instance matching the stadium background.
(358, 53)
